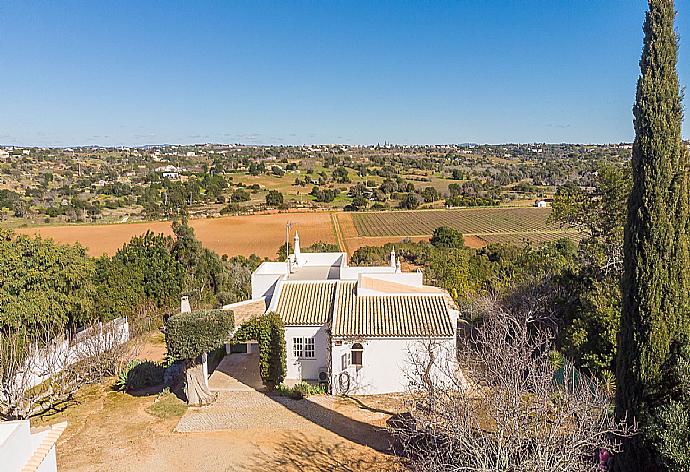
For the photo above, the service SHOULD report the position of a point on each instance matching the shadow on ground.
(237, 372)
(325, 416)
(303, 453)
(321, 432)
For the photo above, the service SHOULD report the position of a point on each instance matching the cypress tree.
(655, 318)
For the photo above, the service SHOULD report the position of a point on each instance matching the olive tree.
(188, 336)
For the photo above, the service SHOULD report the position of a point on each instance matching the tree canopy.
(44, 285)
(656, 280)
(188, 335)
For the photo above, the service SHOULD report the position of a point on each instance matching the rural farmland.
(480, 226)
(467, 221)
(263, 234)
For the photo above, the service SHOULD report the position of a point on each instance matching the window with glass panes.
(309, 350)
(303, 348)
(297, 347)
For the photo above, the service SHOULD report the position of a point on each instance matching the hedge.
(188, 335)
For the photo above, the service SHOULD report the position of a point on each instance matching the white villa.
(355, 327)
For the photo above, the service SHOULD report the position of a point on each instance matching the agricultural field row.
(478, 221)
(529, 238)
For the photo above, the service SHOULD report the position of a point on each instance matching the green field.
(479, 221)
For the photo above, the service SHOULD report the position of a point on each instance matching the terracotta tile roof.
(245, 310)
(390, 315)
(306, 303)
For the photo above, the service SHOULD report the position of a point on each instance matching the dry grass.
(111, 430)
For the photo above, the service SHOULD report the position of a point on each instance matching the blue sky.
(144, 72)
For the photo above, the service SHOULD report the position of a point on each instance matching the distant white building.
(541, 204)
(355, 327)
(168, 168)
(28, 449)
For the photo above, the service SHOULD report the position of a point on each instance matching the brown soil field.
(474, 241)
(232, 235)
(531, 238)
(355, 243)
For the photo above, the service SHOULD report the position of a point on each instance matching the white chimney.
(393, 263)
(296, 249)
(185, 306)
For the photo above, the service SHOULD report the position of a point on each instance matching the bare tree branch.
(513, 409)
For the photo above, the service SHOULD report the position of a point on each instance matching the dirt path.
(339, 233)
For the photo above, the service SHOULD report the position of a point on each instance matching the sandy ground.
(232, 235)
(111, 430)
(115, 432)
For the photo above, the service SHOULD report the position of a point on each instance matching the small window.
(345, 361)
(297, 347)
(357, 351)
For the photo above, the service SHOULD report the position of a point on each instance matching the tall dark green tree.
(655, 287)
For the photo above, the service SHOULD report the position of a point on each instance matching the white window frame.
(297, 347)
(357, 348)
(304, 348)
(309, 348)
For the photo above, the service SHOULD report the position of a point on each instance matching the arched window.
(357, 351)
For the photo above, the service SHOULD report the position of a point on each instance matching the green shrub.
(446, 237)
(188, 335)
(276, 357)
(299, 391)
(167, 405)
(139, 374)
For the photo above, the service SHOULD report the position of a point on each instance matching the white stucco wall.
(44, 362)
(322, 258)
(386, 364)
(264, 284)
(306, 369)
(15, 444)
(18, 444)
(49, 464)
